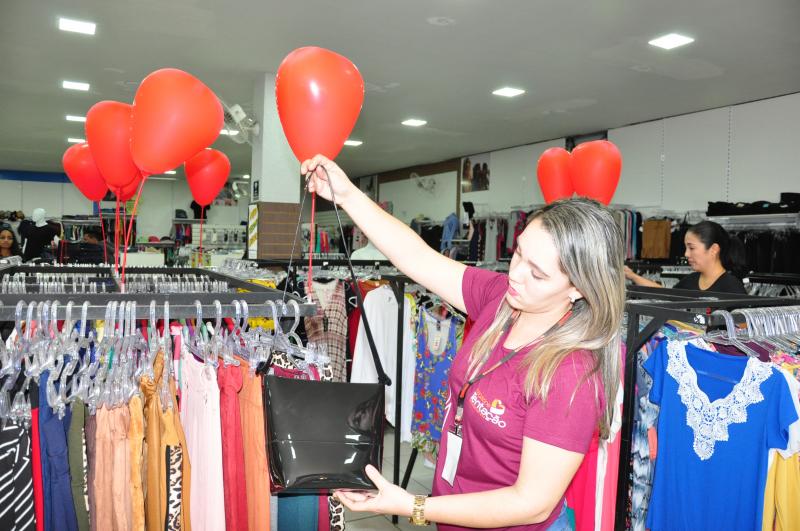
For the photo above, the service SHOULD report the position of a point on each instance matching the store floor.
(421, 481)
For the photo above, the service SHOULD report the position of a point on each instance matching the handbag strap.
(383, 379)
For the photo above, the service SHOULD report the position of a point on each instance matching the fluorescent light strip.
(414, 122)
(73, 118)
(76, 26)
(670, 41)
(508, 92)
(75, 85)
(353, 143)
(245, 176)
(170, 172)
(161, 178)
(73, 140)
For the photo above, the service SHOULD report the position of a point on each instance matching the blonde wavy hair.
(590, 250)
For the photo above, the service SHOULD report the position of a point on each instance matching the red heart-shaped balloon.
(108, 133)
(174, 116)
(553, 172)
(319, 96)
(82, 171)
(595, 169)
(127, 192)
(207, 172)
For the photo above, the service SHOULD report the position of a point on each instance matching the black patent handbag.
(320, 436)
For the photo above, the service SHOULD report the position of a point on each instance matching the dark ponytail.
(731, 253)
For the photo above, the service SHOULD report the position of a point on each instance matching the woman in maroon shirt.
(530, 384)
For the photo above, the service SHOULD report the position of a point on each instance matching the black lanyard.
(465, 388)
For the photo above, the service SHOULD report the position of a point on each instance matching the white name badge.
(453, 455)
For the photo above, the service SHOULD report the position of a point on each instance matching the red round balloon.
(207, 172)
(553, 172)
(127, 192)
(83, 172)
(319, 96)
(108, 133)
(595, 169)
(174, 116)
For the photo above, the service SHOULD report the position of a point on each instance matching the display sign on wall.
(254, 190)
(474, 173)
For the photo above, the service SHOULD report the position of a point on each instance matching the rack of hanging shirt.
(771, 241)
(168, 362)
(648, 311)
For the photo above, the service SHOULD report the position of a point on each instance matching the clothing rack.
(679, 305)
(181, 305)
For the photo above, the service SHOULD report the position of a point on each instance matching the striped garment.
(16, 479)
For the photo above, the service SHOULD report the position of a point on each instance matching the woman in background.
(716, 258)
(9, 246)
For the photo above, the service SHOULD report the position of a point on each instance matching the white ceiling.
(586, 66)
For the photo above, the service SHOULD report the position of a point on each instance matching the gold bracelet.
(418, 513)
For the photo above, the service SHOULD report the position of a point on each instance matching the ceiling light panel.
(76, 26)
(414, 122)
(353, 143)
(75, 85)
(73, 140)
(73, 118)
(670, 41)
(508, 92)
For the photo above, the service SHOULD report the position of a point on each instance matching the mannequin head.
(38, 217)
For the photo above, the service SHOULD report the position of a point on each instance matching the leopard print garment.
(174, 457)
(335, 507)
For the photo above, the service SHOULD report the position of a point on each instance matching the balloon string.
(130, 229)
(103, 229)
(116, 236)
(202, 217)
(309, 285)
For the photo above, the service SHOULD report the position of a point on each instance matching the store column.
(275, 181)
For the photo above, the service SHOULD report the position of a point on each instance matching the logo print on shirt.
(498, 408)
(489, 411)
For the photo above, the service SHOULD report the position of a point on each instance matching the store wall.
(409, 200)
(744, 152)
(156, 206)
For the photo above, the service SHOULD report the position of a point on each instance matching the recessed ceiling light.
(670, 41)
(508, 92)
(161, 178)
(245, 176)
(76, 26)
(72, 140)
(75, 85)
(170, 172)
(229, 132)
(413, 122)
(73, 118)
(353, 143)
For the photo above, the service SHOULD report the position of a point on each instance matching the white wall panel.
(155, 209)
(641, 149)
(695, 159)
(765, 149)
(48, 196)
(75, 203)
(409, 200)
(10, 195)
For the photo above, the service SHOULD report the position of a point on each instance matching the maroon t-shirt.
(496, 414)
